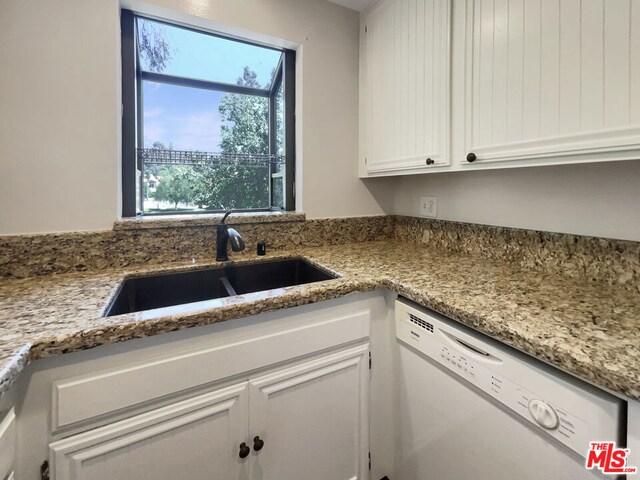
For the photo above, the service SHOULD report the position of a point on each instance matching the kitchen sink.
(167, 289)
(256, 277)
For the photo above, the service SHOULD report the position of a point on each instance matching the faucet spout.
(224, 217)
(237, 243)
(224, 235)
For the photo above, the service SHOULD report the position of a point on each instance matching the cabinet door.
(552, 81)
(406, 79)
(7, 443)
(195, 439)
(313, 419)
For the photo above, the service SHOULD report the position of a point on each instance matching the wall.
(590, 199)
(59, 115)
(59, 91)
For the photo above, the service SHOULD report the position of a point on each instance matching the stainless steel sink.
(167, 289)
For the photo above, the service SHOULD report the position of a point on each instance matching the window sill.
(205, 220)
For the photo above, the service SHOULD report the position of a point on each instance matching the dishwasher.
(472, 408)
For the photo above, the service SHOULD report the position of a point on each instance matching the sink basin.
(167, 289)
(256, 277)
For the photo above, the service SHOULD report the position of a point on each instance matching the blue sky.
(188, 118)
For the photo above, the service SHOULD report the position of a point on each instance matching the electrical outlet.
(429, 207)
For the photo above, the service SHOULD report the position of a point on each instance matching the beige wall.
(59, 91)
(591, 199)
(58, 115)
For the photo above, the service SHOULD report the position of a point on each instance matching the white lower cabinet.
(181, 405)
(197, 439)
(313, 419)
(305, 421)
(7, 443)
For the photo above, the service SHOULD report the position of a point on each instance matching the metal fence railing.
(153, 156)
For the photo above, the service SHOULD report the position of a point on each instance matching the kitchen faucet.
(224, 234)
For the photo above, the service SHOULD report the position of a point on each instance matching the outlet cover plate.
(429, 207)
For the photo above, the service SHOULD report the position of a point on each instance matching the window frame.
(132, 103)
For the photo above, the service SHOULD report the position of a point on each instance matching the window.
(208, 121)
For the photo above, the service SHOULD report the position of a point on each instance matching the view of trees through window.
(181, 119)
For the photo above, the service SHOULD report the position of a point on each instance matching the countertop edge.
(10, 372)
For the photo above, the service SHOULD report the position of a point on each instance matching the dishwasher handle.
(470, 349)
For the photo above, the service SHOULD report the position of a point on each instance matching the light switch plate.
(429, 207)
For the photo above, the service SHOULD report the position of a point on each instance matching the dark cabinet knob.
(258, 443)
(471, 157)
(430, 161)
(244, 450)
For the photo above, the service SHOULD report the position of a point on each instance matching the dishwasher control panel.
(571, 411)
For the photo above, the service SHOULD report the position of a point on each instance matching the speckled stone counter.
(159, 240)
(588, 328)
(615, 262)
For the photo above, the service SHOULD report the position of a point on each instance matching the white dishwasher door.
(452, 426)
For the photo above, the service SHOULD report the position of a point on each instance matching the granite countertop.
(586, 328)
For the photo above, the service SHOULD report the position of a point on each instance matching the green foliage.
(279, 101)
(246, 131)
(153, 46)
(246, 127)
(176, 185)
(228, 186)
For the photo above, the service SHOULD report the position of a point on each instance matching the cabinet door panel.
(196, 439)
(7, 442)
(551, 81)
(313, 419)
(407, 84)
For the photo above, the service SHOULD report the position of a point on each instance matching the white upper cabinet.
(405, 86)
(552, 81)
(533, 82)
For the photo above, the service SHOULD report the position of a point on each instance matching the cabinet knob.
(244, 450)
(471, 157)
(258, 443)
(430, 161)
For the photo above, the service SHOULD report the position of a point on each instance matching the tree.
(156, 171)
(247, 119)
(153, 45)
(245, 130)
(177, 185)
